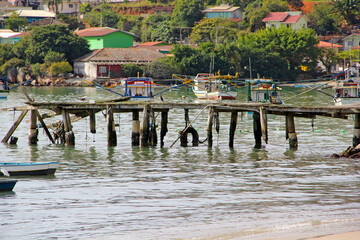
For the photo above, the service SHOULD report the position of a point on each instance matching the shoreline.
(338, 236)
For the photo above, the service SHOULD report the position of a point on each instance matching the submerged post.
(144, 129)
(112, 141)
(257, 129)
(209, 127)
(69, 135)
(233, 122)
(356, 138)
(92, 121)
(164, 129)
(291, 133)
(152, 130)
(33, 131)
(135, 135)
(264, 128)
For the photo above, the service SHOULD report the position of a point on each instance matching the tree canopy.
(16, 23)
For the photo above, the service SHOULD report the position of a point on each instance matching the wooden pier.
(144, 132)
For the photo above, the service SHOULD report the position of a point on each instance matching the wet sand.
(341, 236)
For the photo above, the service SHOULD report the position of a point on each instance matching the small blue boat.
(4, 87)
(16, 169)
(7, 185)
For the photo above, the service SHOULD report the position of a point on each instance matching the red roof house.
(295, 20)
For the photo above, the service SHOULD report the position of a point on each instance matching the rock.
(335, 155)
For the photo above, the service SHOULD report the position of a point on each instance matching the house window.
(71, 5)
(350, 43)
(102, 69)
(98, 39)
(34, 20)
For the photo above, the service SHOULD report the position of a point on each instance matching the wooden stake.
(152, 130)
(69, 135)
(356, 138)
(264, 125)
(45, 127)
(33, 131)
(14, 126)
(290, 129)
(144, 128)
(209, 127)
(257, 129)
(164, 129)
(112, 140)
(92, 121)
(135, 135)
(233, 122)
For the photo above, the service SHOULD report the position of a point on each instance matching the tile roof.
(150, 43)
(275, 16)
(292, 19)
(32, 13)
(21, 34)
(121, 55)
(222, 8)
(48, 21)
(98, 31)
(324, 44)
(163, 48)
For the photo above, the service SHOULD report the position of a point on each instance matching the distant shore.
(340, 236)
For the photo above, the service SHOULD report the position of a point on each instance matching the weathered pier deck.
(144, 132)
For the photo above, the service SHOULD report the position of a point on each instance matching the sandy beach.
(341, 236)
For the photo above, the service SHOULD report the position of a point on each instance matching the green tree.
(12, 67)
(60, 68)
(329, 58)
(323, 19)
(71, 21)
(185, 14)
(156, 28)
(54, 4)
(131, 70)
(16, 23)
(161, 68)
(5, 53)
(349, 9)
(102, 16)
(216, 30)
(52, 38)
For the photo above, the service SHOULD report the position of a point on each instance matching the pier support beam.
(33, 131)
(264, 125)
(69, 135)
(135, 135)
(111, 132)
(164, 129)
(257, 129)
(14, 126)
(92, 121)
(356, 138)
(144, 128)
(233, 122)
(209, 126)
(152, 130)
(290, 131)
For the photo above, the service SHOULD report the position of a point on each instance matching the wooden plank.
(14, 126)
(45, 127)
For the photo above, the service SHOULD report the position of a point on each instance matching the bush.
(60, 68)
(160, 69)
(131, 70)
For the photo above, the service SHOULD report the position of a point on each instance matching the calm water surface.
(125, 192)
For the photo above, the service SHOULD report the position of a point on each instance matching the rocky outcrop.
(350, 152)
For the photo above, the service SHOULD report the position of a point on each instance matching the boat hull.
(16, 169)
(4, 94)
(7, 185)
(215, 95)
(344, 101)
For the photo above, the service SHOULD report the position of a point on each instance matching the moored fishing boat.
(347, 92)
(208, 86)
(4, 87)
(7, 185)
(263, 90)
(40, 168)
(139, 88)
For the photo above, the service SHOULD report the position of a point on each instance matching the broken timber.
(144, 132)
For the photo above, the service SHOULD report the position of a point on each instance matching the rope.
(189, 125)
(311, 89)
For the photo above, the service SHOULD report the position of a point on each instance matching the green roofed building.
(105, 37)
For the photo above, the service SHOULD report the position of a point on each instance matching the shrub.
(60, 68)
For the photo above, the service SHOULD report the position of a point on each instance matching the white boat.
(208, 86)
(347, 91)
(41, 168)
(263, 90)
(4, 87)
(139, 88)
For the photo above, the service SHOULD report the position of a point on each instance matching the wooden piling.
(144, 128)
(135, 135)
(44, 127)
(164, 129)
(33, 131)
(264, 125)
(356, 138)
(69, 135)
(209, 126)
(291, 133)
(152, 130)
(14, 126)
(257, 129)
(233, 122)
(111, 132)
(92, 121)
